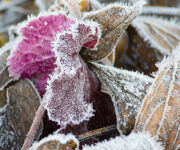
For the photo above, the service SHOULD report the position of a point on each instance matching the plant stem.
(34, 127)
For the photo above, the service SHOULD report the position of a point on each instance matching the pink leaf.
(70, 86)
(33, 55)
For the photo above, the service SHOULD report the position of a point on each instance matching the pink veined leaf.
(33, 55)
(70, 86)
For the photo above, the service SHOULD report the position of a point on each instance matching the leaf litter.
(134, 86)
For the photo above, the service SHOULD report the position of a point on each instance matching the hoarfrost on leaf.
(70, 87)
(127, 90)
(159, 113)
(114, 19)
(135, 141)
(164, 35)
(33, 55)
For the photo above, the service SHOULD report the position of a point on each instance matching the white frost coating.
(125, 87)
(127, 8)
(63, 139)
(135, 141)
(169, 65)
(161, 10)
(65, 95)
(141, 24)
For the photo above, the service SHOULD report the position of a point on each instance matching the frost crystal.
(70, 86)
(33, 54)
(161, 34)
(135, 141)
(127, 90)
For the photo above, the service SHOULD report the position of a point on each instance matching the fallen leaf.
(140, 56)
(114, 19)
(17, 115)
(127, 89)
(160, 111)
(161, 34)
(57, 142)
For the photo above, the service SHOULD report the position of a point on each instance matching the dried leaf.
(161, 34)
(140, 56)
(114, 19)
(160, 111)
(57, 142)
(17, 115)
(127, 89)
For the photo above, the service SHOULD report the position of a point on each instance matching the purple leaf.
(33, 54)
(70, 86)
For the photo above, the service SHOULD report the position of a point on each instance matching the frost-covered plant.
(69, 87)
(33, 55)
(71, 83)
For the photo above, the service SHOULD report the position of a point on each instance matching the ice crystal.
(127, 90)
(33, 54)
(135, 141)
(70, 86)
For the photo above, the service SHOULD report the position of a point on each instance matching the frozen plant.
(32, 56)
(69, 90)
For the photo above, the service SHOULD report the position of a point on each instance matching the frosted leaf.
(21, 102)
(114, 19)
(127, 90)
(33, 53)
(161, 34)
(57, 142)
(160, 111)
(135, 141)
(70, 86)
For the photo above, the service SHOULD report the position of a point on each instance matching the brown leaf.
(140, 55)
(160, 111)
(57, 142)
(126, 89)
(161, 34)
(114, 19)
(16, 116)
